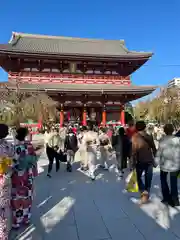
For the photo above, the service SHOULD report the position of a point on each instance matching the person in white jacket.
(168, 158)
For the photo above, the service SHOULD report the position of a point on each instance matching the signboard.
(113, 108)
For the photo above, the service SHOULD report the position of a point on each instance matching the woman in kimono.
(24, 172)
(91, 143)
(82, 149)
(6, 154)
(105, 148)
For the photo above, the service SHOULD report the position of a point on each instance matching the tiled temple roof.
(68, 46)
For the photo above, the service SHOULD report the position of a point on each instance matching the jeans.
(70, 156)
(52, 154)
(121, 162)
(148, 170)
(171, 194)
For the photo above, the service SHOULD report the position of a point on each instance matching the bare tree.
(163, 108)
(18, 105)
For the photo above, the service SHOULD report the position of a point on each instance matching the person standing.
(24, 172)
(168, 158)
(143, 153)
(6, 155)
(70, 146)
(52, 148)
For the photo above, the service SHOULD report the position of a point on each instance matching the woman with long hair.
(6, 154)
(24, 172)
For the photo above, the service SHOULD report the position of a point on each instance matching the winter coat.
(168, 154)
(71, 142)
(143, 148)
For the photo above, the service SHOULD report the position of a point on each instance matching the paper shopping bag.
(132, 185)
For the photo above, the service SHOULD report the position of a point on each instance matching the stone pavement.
(71, 207)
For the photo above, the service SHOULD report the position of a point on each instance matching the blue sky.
(144, 25)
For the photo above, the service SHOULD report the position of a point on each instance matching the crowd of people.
(134, 148)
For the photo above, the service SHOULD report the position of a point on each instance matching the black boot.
(69, 167)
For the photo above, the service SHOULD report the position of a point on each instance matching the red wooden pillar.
(61, 116)
(84, 119)
(104, 116)
(122, 116)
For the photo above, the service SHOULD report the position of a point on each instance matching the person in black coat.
(70, 147)
(122, 146)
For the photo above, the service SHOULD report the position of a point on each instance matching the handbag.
(132, 185)
(62, 156)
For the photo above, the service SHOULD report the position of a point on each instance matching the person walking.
(105, 147)
(82, 149)
(143, 153)
(24, 172)
(122, 146)
(62, 134)
(52, 148)
(110, 132)
(168, 158)
(70, 146)
(47, 135)
(91, 143)
(6, 155)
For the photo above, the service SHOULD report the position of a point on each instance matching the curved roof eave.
(128, 56)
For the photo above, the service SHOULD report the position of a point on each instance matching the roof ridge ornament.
(45, 36)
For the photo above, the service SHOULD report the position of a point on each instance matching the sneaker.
(165, 202)
(171, 203)
(120, 174)
(93, 177)
(69, 167)
(84, 168)
(48, 175)
(104, 167)
(174, 203)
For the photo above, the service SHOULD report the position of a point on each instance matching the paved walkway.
(71, 207)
